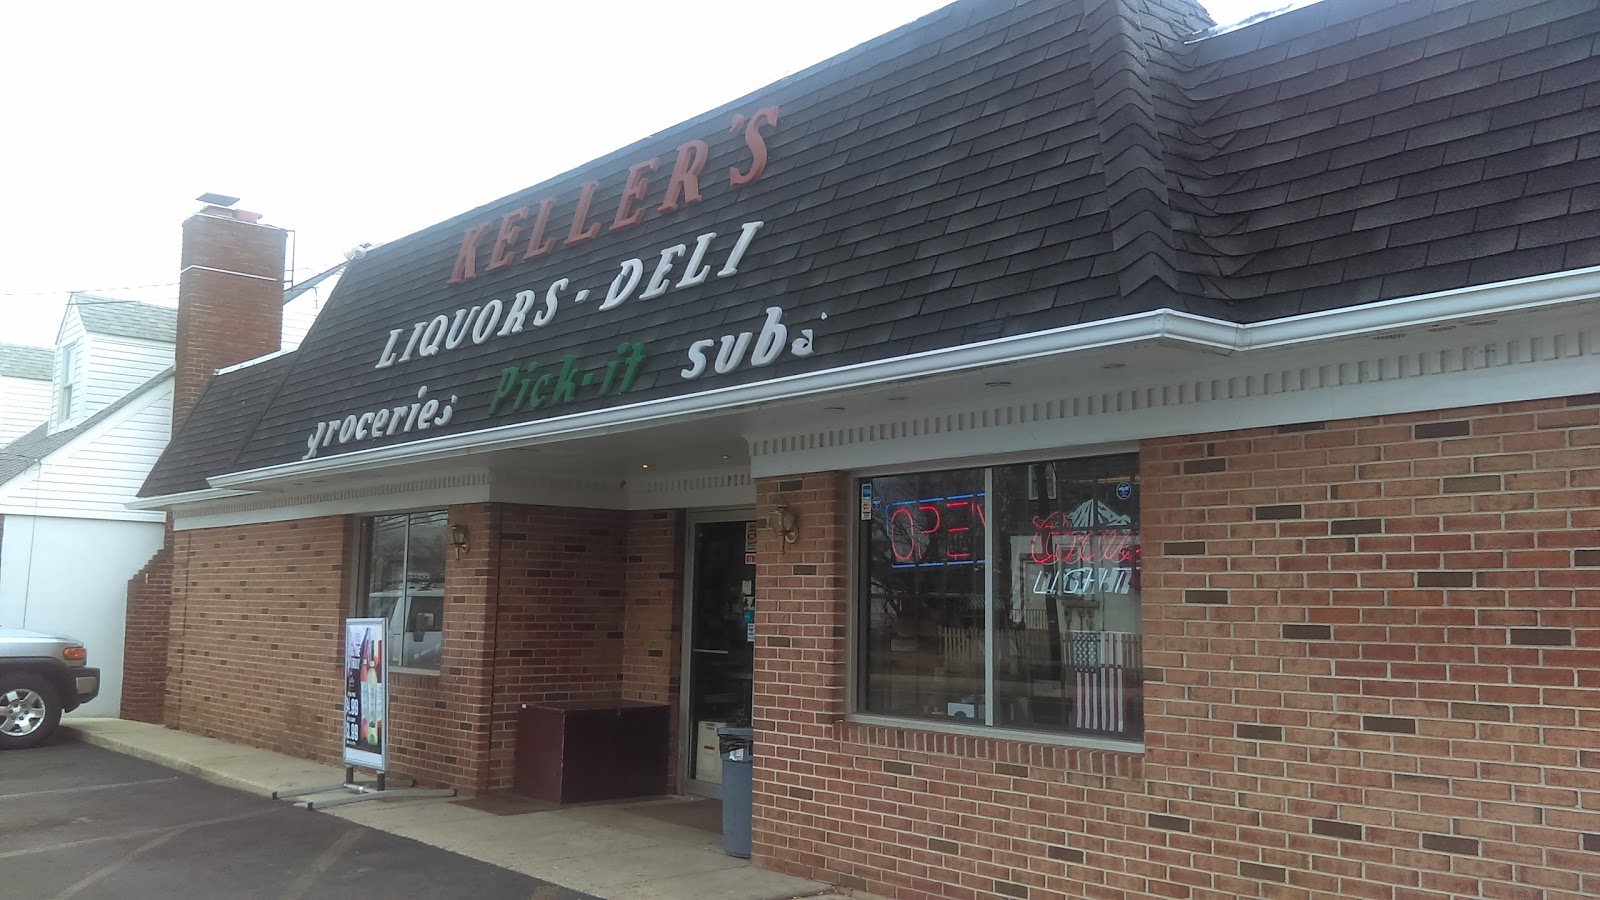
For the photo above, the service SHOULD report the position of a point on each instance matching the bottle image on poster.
(364, 694)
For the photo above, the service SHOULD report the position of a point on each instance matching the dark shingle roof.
(1001, 168)
(20, 455)
(33, 363)
(126, 318)
(1369, 149)
(210, 438)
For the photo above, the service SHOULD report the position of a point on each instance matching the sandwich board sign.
(366, 689)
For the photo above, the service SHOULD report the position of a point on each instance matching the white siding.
(113, 367)
(95, 473)
(298, 314)
(70, 576)
(24, 406)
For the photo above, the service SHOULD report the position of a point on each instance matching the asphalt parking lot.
(83, 822)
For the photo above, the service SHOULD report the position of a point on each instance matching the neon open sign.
(937, 531)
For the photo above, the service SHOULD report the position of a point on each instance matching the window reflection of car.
(416, 627)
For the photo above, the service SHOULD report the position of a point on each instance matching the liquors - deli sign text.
(523, 235)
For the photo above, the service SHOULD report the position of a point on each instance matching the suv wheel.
(29, 710)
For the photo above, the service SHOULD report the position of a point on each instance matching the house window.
(403, 584)
(68, 360)
(1005, 597)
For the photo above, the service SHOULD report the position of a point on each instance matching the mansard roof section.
(210, 438)
(989, 171)
(1343, 153)
(939, 186)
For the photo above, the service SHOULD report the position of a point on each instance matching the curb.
(68, 733)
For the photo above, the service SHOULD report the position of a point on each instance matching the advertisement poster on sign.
(365, 694)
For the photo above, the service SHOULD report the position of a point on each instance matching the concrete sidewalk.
(621, 851)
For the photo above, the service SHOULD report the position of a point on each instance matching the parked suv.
(41, 677)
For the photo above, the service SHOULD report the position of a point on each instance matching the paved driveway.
(83, 822)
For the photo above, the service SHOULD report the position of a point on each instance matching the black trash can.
(735, 745)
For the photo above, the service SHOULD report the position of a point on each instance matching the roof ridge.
(1126, 55)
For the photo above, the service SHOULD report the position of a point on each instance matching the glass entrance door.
(721, 636)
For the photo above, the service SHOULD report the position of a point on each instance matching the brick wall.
(559, 624)
(653, 626)
(440, 723)
(535, 610)
(256, 621)
(230, 298)
(230, 309)
(144, 654)
(1374, 671)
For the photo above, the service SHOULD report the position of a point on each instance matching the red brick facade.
(652, 647)
(558, 631)
(230, 298)
(536, 609)
(144, 655)
(1374, 671)
(1372, 650)
(255, 633)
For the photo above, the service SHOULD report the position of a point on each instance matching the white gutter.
(1110, 332)
(1169, 326)
(1465, 303)
(166, 500)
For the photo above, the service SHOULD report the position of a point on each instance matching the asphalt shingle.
(1001, 167)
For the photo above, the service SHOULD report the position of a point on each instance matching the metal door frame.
(686, 734)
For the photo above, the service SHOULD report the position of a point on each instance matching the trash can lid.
(731, 731)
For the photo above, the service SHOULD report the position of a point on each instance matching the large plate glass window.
(1005, 596)
(403, 584)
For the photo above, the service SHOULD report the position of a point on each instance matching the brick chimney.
(230, 298)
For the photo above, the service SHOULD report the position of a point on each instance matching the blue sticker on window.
(1124, 490)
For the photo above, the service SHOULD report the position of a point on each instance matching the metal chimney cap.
(222, 200)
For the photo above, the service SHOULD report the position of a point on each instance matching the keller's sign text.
(521, 235)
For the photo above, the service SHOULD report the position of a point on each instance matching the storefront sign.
(937, 531)
(525, 387)
(483, 322)
(509, 247)
(769, 346)
(366, 687)
(418, 415)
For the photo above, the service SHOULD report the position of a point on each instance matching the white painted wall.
(114, 366)
(98, 472)
(70, 576)
(24, 406)
(301, 312)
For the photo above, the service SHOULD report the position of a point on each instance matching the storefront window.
(1006, 596)
(404, 585)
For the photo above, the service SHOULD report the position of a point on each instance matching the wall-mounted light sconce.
(784, 522)
(458, 539)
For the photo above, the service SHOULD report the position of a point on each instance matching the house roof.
(126, 318)
(998, 169)
(1348, 152)
(32, 363)
(210, 438)
(21, 454)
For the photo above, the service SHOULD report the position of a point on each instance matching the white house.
(68, 543)
(25, 374)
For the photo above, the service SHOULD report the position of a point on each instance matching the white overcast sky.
(346, 122)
